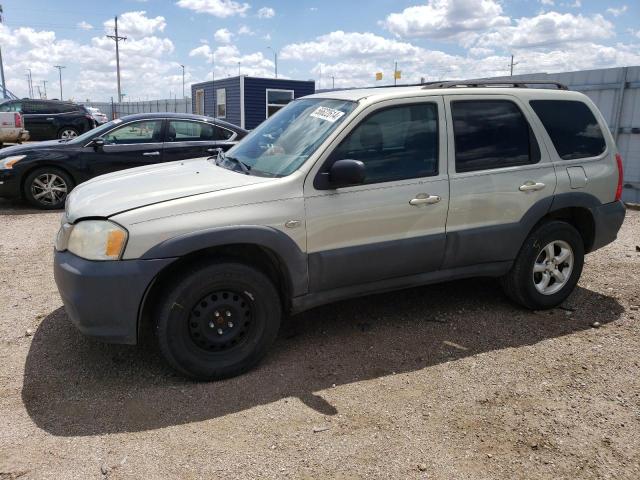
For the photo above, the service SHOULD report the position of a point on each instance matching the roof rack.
(494, 83)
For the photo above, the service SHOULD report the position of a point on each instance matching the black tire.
(33, 188)
(187, 328)
(519, 284)
(68, 133)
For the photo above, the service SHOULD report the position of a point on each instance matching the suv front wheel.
(218, 320)
(547, 268)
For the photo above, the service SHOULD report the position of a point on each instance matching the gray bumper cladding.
(608, 219)
(103, 299)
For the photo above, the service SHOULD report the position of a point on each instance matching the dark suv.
(51, 119)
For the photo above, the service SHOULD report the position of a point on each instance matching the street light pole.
(275, 59)
(183, 97)
(44, 84)
(60, 67)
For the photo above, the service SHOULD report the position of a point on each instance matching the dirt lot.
(440, 382)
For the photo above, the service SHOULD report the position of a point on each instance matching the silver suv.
(341, 194)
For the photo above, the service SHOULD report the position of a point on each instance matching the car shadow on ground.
(16, 206)
(76, 386)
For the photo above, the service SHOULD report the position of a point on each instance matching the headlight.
(97, 240)
(9, 162)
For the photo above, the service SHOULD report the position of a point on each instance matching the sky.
(342, 43)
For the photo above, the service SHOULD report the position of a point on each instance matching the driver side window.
(145, 131)
(395, 143)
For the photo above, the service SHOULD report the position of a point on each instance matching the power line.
(117, 40)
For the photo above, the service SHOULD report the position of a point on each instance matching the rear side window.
(573, 129)
(491, 134)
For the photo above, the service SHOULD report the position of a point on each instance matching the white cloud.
(227, 58)
(84, 25)
(547, 2)
(222, 35)
(266, 12)
(446, 18)
(616, 12)
(136, 24)
(546, 29)
(245, 30)
(217, 8)
(352, 44)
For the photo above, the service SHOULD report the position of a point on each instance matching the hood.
(28, 147)
(117, 192)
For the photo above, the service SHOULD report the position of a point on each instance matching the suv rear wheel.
(47, 188)
(67, 133)
(218, 321)
(547, 268)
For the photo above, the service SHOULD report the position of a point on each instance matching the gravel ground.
(439, 382)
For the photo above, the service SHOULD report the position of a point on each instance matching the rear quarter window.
(572, 127)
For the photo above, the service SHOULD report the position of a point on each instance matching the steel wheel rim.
(68, 134)
(220, 321)
(552, 267)
(49, 188)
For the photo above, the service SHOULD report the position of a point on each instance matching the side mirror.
(98, 143)
(345, 173)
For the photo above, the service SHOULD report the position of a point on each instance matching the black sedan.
(44, 173)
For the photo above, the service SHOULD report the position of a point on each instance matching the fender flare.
(292, 258)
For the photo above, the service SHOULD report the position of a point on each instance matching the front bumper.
(9, 183)
(103, 299)
(608, 219)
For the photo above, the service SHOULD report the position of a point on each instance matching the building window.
(221, 103)
(200, 102)
(276, 99)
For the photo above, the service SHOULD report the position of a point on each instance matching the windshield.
(287, 139)
(96, 132)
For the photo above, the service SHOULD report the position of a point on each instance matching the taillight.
(17, 119)
(620, 177)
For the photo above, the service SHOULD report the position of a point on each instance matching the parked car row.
(44, 173)
(49, 119)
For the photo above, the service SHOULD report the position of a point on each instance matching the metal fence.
(117, 110)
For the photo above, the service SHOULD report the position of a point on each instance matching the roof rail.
(495, 83)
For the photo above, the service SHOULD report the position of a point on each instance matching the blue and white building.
(246, 101)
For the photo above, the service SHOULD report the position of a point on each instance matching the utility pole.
(238, 68)
(30, 82)
(275, 59)
(39, 91)
(395, 73)
(117, 39)
(60, 67)
(183, 81)
(511, 65)
(333, 81)
(44, 84)
(4, 86)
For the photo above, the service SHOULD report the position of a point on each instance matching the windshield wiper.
(222, 157)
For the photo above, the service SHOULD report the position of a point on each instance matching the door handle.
(149, 154)
(50, 119)
(531, 186)
(424, 199)
(211, 150)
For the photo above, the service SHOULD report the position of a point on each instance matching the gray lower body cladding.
(103, 299)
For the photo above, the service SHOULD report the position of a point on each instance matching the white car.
(97, 115)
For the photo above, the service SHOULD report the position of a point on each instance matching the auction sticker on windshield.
(326, 113)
